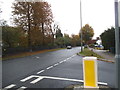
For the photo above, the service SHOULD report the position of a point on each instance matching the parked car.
(69, 47)
(101, 47)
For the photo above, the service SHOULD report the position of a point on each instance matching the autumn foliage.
(34, 27)
(35, 18)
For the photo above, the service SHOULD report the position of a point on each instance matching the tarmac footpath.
(108, 57)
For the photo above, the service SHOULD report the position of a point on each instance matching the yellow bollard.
(90, 72)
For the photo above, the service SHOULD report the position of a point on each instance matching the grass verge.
(88, 52)
(28, 54)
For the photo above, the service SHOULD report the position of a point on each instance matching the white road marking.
(74, 55)
(32, 76)
(66, 79)
(36, 80)
(49, 77)
(50, 67)
(10, 86)
(40, 71)
(102, 83)
(68, 58)
(65, 60)
(22, 88)
(37, 57)
(61, 62)
(23, 80)
(56, 64)
(58, 78)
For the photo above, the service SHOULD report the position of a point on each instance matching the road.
(56, 69)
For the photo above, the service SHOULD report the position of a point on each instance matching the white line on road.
(49, 77)
(37, 57)
(74, 55)
(68, 58)
(23, 80)
(71, 57)
(10, 86)
(102, 83)
(74, 80)
(22, 88)
(33, 76)
(58, 78)
(56, 64)
(36, 80)
(64, 60)
(67, 79)
(40, 71)
(61, 62)
(50, 67)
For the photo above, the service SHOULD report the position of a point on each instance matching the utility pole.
(117, 41)
(81, 26)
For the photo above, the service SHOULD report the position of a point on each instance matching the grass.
(88, 52)
(27, 54)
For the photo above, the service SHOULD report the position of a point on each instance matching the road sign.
(90, 72)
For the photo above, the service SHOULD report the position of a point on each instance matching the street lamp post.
(117, 41)
(81, 26)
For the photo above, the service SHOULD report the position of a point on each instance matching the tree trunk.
(29, 29)
(43, 37)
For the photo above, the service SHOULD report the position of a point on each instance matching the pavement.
(108, 57)
(56, 69)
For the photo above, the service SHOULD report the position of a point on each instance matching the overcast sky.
(99, 14)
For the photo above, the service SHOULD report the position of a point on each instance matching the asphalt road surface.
(56, 69)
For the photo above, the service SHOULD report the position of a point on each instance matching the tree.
(33, 17)
(87, 33)
(22, 11)
(58, 32)
(11, 36)
(67, 40)
(75, 40)
(43, 18)
(108, 38)
(60, 42)
(3, 23)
